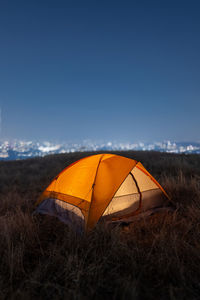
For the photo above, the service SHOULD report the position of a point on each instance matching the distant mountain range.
(25, 149)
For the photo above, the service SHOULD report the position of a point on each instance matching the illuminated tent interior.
(101, 187)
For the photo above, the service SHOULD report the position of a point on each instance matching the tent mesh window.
(137, 193)
(67, 213)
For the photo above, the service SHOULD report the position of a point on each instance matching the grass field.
(157, 257)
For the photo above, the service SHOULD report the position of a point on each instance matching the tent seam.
(93, 188)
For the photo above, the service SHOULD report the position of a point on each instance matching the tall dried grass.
(157, 257)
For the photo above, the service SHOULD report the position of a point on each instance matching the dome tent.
(102, 186)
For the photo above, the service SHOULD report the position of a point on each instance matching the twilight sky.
(107, 69)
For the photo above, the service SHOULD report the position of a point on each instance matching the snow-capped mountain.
(12, 150)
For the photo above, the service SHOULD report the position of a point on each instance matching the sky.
(100, 70)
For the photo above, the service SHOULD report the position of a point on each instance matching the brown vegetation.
(157, 257)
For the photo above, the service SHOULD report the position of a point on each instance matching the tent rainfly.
(103, 186)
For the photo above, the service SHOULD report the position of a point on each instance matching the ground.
(157, 257)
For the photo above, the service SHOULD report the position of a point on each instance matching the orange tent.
(104, 185)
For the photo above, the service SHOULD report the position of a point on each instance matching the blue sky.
(109, 70)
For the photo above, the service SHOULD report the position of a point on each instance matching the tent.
(101, 187)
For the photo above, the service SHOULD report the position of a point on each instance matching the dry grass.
(157, 257)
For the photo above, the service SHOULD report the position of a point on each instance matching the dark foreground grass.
(157, 257)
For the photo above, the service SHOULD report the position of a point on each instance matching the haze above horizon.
(109, 70)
